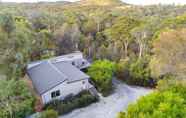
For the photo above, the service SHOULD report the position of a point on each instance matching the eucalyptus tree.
(120, 32)
(142, 35)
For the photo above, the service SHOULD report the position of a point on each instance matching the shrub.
(165, 103)
(135, 72)
(81, 100)
(140, 73)
(121, 115)
(49, 114)
(102, 72)
(122, 69)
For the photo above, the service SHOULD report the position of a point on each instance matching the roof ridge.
(57, 70)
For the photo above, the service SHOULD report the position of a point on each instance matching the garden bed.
(70, 103)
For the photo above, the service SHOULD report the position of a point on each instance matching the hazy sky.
(141, 2)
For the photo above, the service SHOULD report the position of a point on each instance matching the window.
(83, 82)
(83, 63)
(73, 63)
(55, 94)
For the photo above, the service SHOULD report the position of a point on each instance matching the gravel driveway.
(108, 107)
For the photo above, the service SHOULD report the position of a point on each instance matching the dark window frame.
(83, 82)
(55, 94)
(73, 63)
(83, 63)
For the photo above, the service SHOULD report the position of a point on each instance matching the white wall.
(66, 89)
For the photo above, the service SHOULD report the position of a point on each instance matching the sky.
(136, 2)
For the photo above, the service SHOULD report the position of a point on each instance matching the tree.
(7, 22)
(141, 34)
(120, 31)
(101, 73)
(169, 53)
(140, 73)
(15, 99)
(165, 103)
(98, 17)
(67, 38)
(19, 45)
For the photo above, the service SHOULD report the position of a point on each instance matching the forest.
(140, 45)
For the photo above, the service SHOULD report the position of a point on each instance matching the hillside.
(139, 45)
(100, 2)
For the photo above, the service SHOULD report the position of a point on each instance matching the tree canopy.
(102, 72)
(16, 101)
(166, 102)
(169, 53)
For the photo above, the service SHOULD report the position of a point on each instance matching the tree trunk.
(126, 48)
(98, 26)
(9, 110)
(140, 50)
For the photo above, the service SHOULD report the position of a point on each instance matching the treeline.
(145, 43)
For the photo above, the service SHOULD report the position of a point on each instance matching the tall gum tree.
(120, 31)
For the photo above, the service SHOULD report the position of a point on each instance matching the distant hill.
(100, 2)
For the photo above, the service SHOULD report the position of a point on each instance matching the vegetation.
(49, 114)
(145, 43)
(168, 101)
(135, 72)
(101, 72)
(15, 99)
(72, 102)
(169, 53)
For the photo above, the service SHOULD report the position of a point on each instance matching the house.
(59, 77)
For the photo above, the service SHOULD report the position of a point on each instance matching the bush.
(121, 115)
(168, 102)
(140, 73)
(101, 72)
(81, 100)
(122, 69)
(135, 72)
(49, 114)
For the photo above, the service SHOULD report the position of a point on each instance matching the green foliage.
(7, 22)
(135, 72)
(70, 103)
(115, 31)
(121, 115)
(49, 114)
(120, 32)
(140, 73)
(179, 21)
(122, 69)
(19, 46)
(15, 99)
(169, 51)
(101, 72)
(166, 103)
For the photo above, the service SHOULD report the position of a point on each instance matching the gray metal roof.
(47, 75)
(72, 72)
(44, 77)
